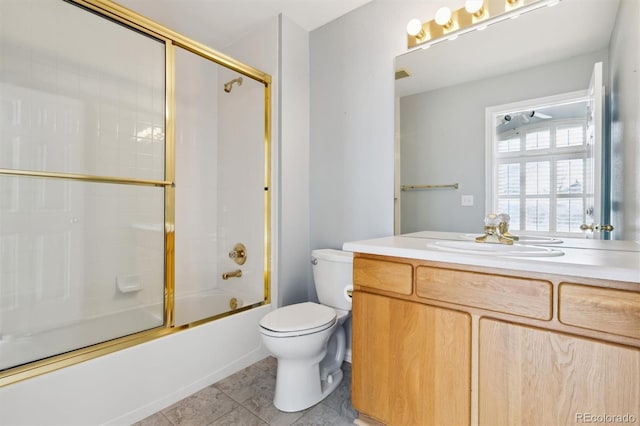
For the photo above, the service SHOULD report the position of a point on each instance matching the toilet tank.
(333, 276)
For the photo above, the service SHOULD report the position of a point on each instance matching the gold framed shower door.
(171, 39)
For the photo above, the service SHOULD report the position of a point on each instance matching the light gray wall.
(443, 139)
(352, 120)
(625, 129)
(292, 151)
(352, 102)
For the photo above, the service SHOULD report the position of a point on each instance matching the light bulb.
(473, 6)
(414, 27)
(443, 16)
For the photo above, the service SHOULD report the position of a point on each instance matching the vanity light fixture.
(475, 8)
(414, 28)
(443, 18)
(475, 15)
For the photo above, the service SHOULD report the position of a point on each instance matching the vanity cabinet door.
(411, 362)
(530, 376)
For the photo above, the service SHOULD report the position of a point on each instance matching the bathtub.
(197, 306)
(126, 386)
(18, 348)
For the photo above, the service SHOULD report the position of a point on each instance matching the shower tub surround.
(100, 222)
(94, 190)
(220, 159)
(126, 386)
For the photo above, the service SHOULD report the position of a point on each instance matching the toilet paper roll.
(347, 292)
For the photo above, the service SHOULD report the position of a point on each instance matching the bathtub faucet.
(235, 274)
(493, 225)
(238, 254)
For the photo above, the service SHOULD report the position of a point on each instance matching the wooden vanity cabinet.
(443, 344)
(532, 376)
(411, 363)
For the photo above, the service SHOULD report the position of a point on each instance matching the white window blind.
(541, 175)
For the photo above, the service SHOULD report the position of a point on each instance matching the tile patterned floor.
(246, 399)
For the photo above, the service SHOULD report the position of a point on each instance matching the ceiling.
(218, 23)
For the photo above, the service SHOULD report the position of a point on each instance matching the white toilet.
(308, 339)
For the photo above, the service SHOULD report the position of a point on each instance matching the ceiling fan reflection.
(525, 116)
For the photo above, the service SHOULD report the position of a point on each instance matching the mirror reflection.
(530, 77)
(541, 160)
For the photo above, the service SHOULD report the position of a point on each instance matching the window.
(540, 171)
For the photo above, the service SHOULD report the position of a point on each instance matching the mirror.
(441, 107)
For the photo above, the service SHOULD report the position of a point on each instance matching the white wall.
(625, 129)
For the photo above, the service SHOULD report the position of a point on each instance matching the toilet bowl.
(308, 339)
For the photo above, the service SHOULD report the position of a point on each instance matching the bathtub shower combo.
(134, 183)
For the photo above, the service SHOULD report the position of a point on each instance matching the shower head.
(229, 85)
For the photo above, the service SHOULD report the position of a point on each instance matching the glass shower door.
(82, 180)
(221, 163)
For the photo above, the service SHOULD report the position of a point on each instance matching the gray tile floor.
(246, 399)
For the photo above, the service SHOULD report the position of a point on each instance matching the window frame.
(553, 154)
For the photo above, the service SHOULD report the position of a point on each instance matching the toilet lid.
(307, 316)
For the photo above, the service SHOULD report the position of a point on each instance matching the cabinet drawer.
(511, 295)
(383, 275)
(602, 309)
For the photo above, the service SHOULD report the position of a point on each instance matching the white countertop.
(612, 260)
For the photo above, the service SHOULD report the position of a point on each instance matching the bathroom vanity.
(446, 337)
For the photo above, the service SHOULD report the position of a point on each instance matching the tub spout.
(235, 274)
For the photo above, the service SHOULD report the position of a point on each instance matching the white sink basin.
(487, 249)
(524, 239)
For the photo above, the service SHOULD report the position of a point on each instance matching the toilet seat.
(297, 320)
